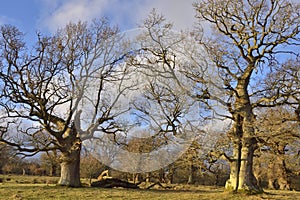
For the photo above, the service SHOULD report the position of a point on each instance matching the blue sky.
(48, 15)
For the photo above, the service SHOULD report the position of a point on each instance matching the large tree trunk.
(244, 142)
(233, 181)
(241, 169)
(70, 164)
(70, 169)
(247, 180)
(277, 173)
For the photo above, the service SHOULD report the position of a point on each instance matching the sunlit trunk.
(70, 165)
(241, 170)
(233, 181)
(244, 142)
(70, 170)
(247, 180)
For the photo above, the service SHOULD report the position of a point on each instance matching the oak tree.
(247, 39)
(62, 90)
(223, 68)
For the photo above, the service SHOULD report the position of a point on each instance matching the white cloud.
(124, 13)
(64, 12)
(181, 13)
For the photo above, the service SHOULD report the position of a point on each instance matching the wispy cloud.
(127, 14)
(63, 12)
(180, 12)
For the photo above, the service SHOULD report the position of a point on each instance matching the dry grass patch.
(34, 191)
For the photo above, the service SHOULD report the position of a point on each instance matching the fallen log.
(159, 184)
(113, 182)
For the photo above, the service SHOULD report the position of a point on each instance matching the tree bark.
(247, 180)
(233, 181)
(244, 143)
(70, 165)
(241, 169)
(277, 174)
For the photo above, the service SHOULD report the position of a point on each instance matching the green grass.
(22, 187)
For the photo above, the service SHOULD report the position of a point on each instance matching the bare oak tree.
(278, 127)
(247, 39)
(277, 131)
(225, 73)
(62, 91)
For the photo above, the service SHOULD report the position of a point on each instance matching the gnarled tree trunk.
(247, 180)
(70, 163)
(241, 168)
(70, 169)
(233, 181)
(244, 143)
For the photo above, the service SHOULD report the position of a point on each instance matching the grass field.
(33, 187)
